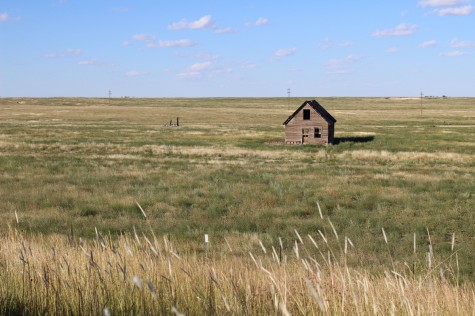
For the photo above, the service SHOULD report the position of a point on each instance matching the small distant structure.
(173, 124)
(310, 124)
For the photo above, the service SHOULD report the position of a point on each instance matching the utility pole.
(421, 102)
(288, 98)
(110, 93)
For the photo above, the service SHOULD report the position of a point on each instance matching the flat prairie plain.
(74, 166)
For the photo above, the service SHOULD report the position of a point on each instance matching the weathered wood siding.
(300, 131)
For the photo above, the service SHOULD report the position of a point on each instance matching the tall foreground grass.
(135, 274)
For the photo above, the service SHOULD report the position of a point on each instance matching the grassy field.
(70, 165)
(396, 195)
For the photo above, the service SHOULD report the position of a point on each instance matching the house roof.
(317, 107)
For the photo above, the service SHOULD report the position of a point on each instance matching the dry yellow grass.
(409, 156)
(140, 275)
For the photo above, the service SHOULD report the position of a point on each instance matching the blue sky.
(247, 48)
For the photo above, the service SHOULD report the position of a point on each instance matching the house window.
(306, 114)
(317, 132)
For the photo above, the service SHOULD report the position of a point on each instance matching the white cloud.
(54, 55)
(402, 29)
(341, 66)
(204, 22)
(455, 53)
(178, 25)
(189, 75)
(89, 62)
(74, 52)
(4, 17)
(453, 10)
(200, 66)
(348, 59)
(327, 44)
(248, 65)
(152, 42)
(284, 52)
(136, 73)
(441, 3)
(195, 71)
(144, 37)
(392, 50)
(455, 43)
(281, 53)
(176, 43)
(207, 56)
(205, 69)
(262, 21)
(466, 10)
(221, 70)
(70, 52)
(428, 43)
(345, 44)
(226, 30)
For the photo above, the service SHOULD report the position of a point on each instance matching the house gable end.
(317, 107)
(295, 112)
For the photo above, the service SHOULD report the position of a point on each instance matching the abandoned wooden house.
(310, 124)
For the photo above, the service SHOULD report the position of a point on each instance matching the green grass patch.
(86, 162)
